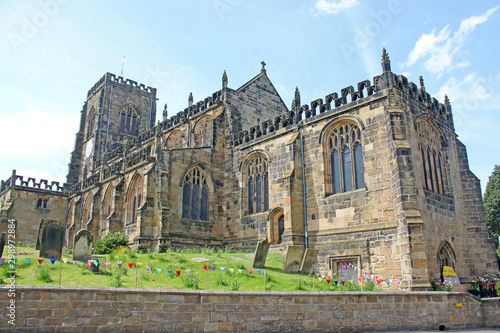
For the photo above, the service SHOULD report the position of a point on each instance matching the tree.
(492, 203)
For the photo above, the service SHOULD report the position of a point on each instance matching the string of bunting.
(342, 278)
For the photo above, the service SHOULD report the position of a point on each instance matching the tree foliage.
(492, 203)
(110, 242)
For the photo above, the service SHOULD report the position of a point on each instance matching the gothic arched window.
(107, 202)
(91, 123)
(200, 132)
(432, 151)
(129, 121)
(344, 166)
(175, 140)
(133, 201)
(257, 181)
(195, 195)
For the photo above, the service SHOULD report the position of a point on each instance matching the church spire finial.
(447, 101)
(224, 80)
(263, 69)
(190, 99)
(421, 79)
(386, 63)
(296, 99)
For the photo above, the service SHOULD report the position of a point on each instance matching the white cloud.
(334, 6)
(443, 47)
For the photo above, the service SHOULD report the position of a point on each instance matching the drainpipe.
(109, 115)
(150, 112)
(303, 183)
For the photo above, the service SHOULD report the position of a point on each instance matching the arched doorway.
(276, 225)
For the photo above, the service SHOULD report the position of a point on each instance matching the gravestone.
(52, 241)
(43, 224)
(293, 259)
(259, 260)
(3, 239)
(310, 258)
(82, 245)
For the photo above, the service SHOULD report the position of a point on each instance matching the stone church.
(374, 176)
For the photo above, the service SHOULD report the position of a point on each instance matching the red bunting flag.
(343, 282)
(40, 261)
(130, 265)
(205, 267)
(178, 273)
(327, 281)
(359, 279)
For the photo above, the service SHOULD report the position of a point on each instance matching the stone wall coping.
(250, 293)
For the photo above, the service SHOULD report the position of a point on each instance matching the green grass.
(177, 260)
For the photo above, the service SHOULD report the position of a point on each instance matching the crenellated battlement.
(332, 102)
(419, 94)
(19, 181)
(110, 77)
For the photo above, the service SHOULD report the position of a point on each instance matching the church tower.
(116, 110)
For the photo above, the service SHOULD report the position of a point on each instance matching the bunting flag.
(89, 263)
(188, 271)
(40, 261)
(14, 260)
(388, 282)
(343, 282)
(359, 279)
(26, 260)
(2, 260)
(205, 267)
(320, 279)
(327, 281)
(74, 262)
(258, 271)
(119, 265)
(169, 273)
(223, 269)
(64, 260)
(240, 270)
(368, 280)
(249, 271)
(378, 281)
(130, 264)
(96, 263)
(53, 260)
(107, 264)
(148, 267)
(214, 267)
(397, 282)
(159, 270)
(232, 270)
(336, 282)
(178, 273)
(344, 267)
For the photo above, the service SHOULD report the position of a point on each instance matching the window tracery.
(344, 166)
(195, 195)
(432, 152)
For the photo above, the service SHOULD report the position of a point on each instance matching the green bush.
(110, 242)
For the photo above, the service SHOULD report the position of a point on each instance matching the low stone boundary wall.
(73, 309)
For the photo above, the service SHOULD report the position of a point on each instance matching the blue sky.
(53, 51)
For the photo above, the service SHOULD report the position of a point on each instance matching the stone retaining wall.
(72, 309)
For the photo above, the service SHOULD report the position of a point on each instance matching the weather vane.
(123, 63)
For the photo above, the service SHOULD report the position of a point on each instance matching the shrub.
(110, 242)
(43, 273)
(235, 285)
(191, 281)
